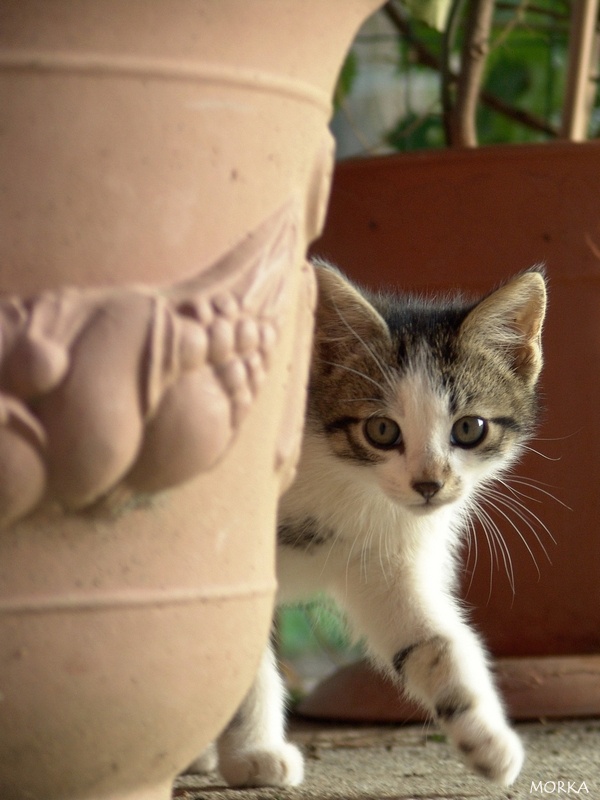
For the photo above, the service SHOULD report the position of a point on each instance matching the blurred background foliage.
(313, 642)
(389, 96)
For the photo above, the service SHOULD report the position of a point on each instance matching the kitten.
(414, 407)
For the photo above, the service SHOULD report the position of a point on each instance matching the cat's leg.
(440, 662)
(448, 674)
(253, 750)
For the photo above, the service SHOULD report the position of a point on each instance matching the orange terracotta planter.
(444, 220)
(163, 166)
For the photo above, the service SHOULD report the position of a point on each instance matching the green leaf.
(415, 132)
(433, 12)
(346, 78)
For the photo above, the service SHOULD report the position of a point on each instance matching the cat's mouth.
(428, 506)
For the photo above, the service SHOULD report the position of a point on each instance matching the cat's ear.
(343, 315)
(510, 320)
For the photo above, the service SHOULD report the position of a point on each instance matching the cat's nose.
(427, 489)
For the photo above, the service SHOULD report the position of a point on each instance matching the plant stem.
(426, 58)
(448, 78)
(463, 124)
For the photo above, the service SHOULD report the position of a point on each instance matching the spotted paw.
(494, 753)
(281, 766)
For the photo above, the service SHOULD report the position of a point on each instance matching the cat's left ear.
(510, 320)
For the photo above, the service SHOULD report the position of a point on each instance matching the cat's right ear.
(510, 321)
(343, 315)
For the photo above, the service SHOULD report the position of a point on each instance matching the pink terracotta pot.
(446, 220)
(163, 166)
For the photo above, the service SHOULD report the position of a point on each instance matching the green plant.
(521, 49)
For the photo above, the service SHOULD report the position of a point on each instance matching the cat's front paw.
(495, 753)
(280, 766)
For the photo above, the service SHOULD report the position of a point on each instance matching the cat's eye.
(469, 432)
(382, 432)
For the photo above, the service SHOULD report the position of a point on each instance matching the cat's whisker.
(383, 543)
(369, 350)
(479, 515)
(335, 539)
(534, 485)
(517, 493)
(471, 544)
(539, 453)
(334, 339)
(522, 512)
(556, 438)
(355, 372)
(428, 723)
(497, 538)
(533, 482)
(466, 529)
(488, 523)
(358, 535)
(360, 400)
(364, 553)
(495, 504)
(374, 543)
(505, 553)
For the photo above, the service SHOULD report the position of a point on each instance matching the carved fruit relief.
(108, 390)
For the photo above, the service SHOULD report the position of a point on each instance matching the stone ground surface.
(349, 762)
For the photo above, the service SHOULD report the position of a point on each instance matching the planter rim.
(486, 153)
(36, 63)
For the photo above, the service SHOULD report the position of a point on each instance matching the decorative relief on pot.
(289, 440)
(108, 392)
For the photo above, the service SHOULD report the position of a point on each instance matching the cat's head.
(432, 398)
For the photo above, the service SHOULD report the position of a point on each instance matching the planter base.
(533, 688)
